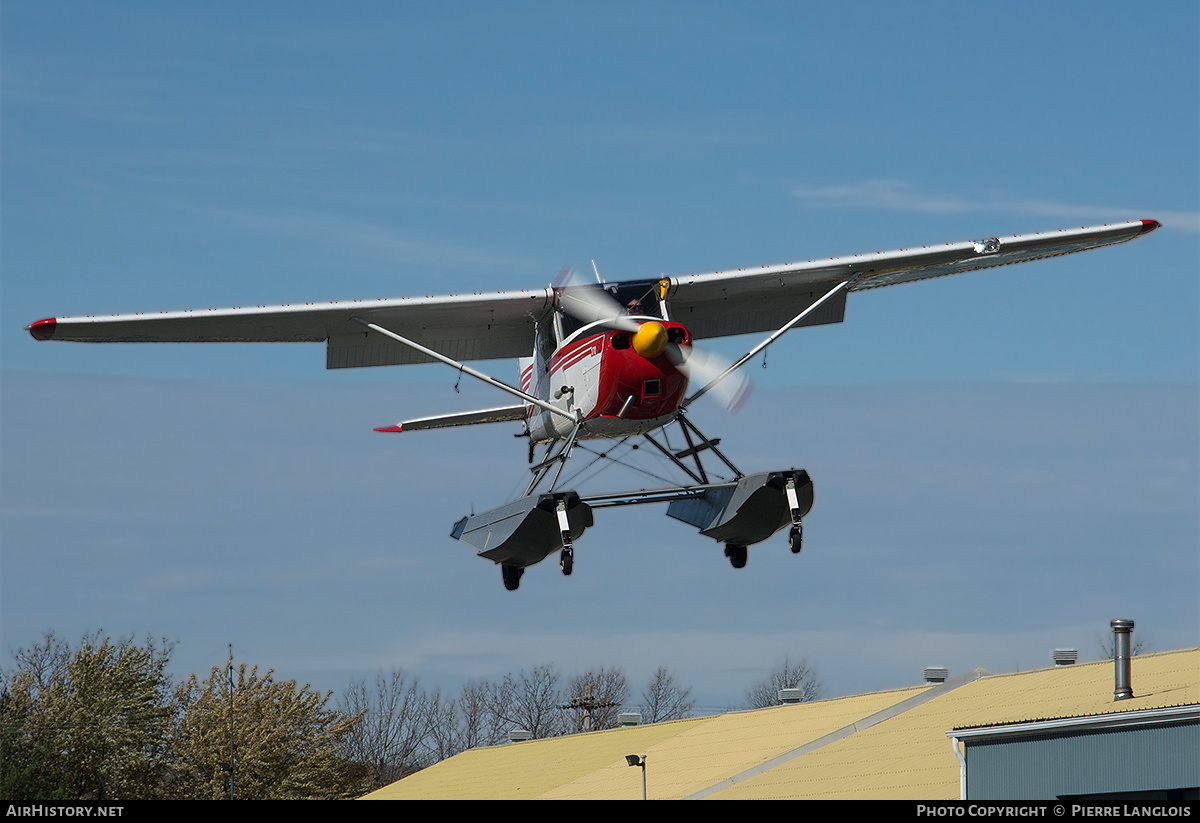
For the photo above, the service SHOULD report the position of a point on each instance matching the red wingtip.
(389, 429)
(43, 329)
(1149, 226)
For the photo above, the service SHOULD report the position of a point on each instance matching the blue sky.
(1003, 461)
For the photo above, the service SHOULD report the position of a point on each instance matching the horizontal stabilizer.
(459, 419)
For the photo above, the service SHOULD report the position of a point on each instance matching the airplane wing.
(501, 325)
(465, 327)
(763, 299)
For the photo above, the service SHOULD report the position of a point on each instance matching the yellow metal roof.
(531, 769)
(685, 763)
(883, 745)
(910, 758)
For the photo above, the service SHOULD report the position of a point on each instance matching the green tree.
(85, 724)
(286, 743)
(25, 757)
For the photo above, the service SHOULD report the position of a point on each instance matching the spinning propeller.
(590, 303)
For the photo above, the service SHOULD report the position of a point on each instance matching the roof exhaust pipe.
(1122, 630)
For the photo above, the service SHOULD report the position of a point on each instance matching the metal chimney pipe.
(1122, 629)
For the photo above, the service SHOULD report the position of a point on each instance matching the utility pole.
(588, 705)
(231, 721)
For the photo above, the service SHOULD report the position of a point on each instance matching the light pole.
(635, 760)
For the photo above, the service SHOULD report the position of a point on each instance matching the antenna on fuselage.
(597, 271)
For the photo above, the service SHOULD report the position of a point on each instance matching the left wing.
(765, 298)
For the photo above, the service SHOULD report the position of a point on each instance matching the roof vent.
(936, 674)
(791, 695)
(1065, 657)
(517, 735)
(629, 719)
(1122, 630)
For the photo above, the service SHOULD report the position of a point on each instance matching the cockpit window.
(638, 298)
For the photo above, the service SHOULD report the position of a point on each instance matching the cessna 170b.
(611, 360)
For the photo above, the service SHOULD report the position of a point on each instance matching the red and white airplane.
(608, 360)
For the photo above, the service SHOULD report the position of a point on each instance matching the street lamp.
(635, 760)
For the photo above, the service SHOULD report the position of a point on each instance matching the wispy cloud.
(899, 195)
(373, 240)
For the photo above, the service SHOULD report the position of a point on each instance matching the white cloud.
(372, 240)
(899, 195)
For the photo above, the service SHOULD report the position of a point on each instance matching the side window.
(545, 342)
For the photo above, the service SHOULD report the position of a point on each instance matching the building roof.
(889, 745)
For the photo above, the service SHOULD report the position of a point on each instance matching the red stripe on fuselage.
(574, 352)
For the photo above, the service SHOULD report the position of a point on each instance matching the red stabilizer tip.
(43, 329)
(1149, 226)
(389, 429)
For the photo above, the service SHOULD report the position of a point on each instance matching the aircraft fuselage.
(620, 385)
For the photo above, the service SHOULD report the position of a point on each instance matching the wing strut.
(491, 381)
(775, 336)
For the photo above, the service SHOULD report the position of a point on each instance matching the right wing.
(464, 327)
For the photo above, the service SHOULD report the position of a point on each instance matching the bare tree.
(529, 701)
(467, 721)
(445, 738)
(595, 701)
(787, 676)
(395, 729)
(478, 724)
(1108, 646)
(664, 699)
